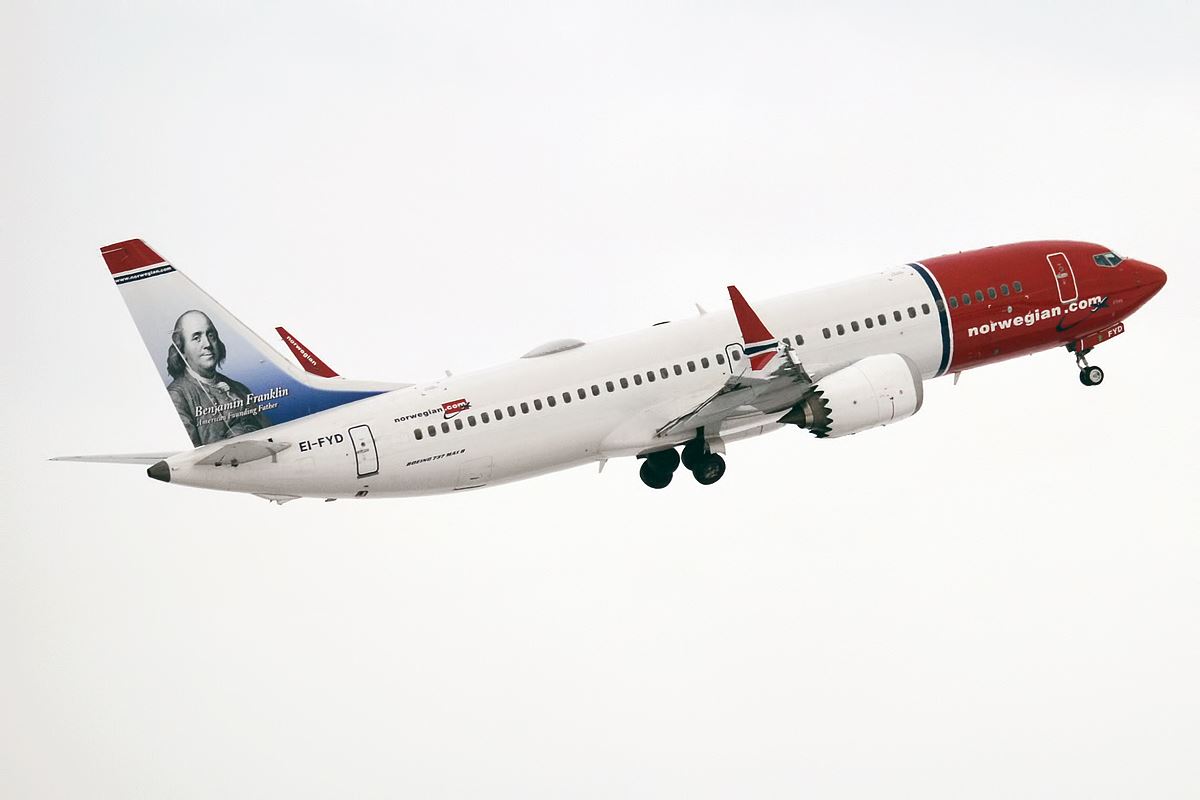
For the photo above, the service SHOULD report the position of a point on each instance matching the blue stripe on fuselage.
(939, 302)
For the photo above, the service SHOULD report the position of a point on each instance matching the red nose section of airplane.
(1148, 278)
(1151, 276)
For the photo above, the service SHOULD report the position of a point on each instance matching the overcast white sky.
(999, 597)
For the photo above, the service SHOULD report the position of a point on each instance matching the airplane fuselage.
(581, 403)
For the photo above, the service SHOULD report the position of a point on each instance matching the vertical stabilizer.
(223, 380)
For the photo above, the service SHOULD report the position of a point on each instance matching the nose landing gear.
(1088, 375)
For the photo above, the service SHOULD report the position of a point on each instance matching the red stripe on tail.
(133, 254)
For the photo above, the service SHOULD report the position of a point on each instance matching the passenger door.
(1064, 277)
(365, 455)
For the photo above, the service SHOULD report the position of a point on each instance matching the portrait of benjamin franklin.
(212, 406)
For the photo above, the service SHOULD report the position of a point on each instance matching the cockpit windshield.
(1109, 259)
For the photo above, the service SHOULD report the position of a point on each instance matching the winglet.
(761, 346)
(307, 358)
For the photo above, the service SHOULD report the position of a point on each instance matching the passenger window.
(787, 341)
(991, 293)
(953, 301)
(720, 359)
(524, 408)
(737, 356)
(841, 329)
(854, 326)
(1004, 289)
(650, 376)
(678, 370)
(418, 433)
(704, 362)
(966, 298)
(537, 405)
(497, 414)
(825, 331)
(609, 385)
(624, 383)
(566, 397)
(458, 423)
(472, 421)
(691, 366)
(484, 418)
(882, 319)
(595, 390)
(896, 314)
(550, 401)
(870, 323)
(445, 427)
(512, 412)
(637, 378)
(924, 308)
(979, 295)
(432, 430)
(1017, 287)
(912, 313)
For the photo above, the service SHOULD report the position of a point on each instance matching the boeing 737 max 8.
(835, 361)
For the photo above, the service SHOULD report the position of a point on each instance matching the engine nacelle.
(874, 391)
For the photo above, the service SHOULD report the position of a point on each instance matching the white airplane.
(835, 361)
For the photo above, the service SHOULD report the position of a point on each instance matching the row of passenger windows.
(881, 319)
(582, 393)
(991, 294)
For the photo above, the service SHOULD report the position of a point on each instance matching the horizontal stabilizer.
(243, 453)
(119, 458)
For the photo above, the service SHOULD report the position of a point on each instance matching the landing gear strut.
(706, 467)
(1088, 376)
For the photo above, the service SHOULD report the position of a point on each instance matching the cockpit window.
(1107, 259)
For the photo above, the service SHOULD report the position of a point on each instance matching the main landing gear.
(659, 468)
(1088, 376)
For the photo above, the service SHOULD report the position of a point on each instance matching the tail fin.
(222, 378)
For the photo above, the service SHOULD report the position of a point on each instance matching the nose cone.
(1149, 277)
(160, 472)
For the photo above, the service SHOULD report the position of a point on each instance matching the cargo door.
(476, 472)
(365, 455)
(1064, 276)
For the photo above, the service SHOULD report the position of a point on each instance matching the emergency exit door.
(365, 455)
(1064, 276)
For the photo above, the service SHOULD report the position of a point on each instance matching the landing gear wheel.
(1091, 376)
(693, 451)
(709, 469)
(654, 476)
(664, 460)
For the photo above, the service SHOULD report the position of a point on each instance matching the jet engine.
(874, 391)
